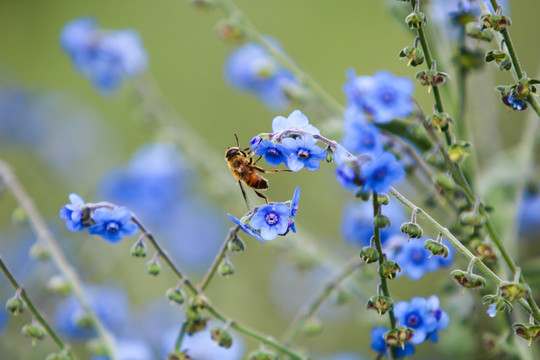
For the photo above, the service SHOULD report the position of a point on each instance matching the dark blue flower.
(73, 213)
(415, 261)
(246, 228)
(418, 315)
(295, 121)
(273, 153)
(303, 153)
(112, 225)
(378, 343)
(529, 216)
(106, 58)
(271, 220)
(380, 173)
(510, 100)
(252, 69)
(348, 177)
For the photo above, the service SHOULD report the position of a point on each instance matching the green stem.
(180, 338)
(218, 259)
(44, 234)
(31, 307)
(319, 298)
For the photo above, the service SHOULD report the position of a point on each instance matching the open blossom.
(381, 173)
(271, 220)
(273, 153)
(73, 214)
(112, 225)
(303, 152)
(295, 121)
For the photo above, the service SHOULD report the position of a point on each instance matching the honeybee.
(245, 170)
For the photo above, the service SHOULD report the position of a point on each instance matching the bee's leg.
(244, 194)
(261, 196)
(260, 169)
(255, 162)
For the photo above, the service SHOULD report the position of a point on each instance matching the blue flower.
(3, 320)
(383, 96)
(129, 350)
(273, 153)
(112, 225)
(510, 100)
(361, 137)
(105, 57)
(418, 315)
(303, 153)
(295, 121)
(529, 216)
(73, 214)
(415, 261)
(491, 311)
(110, 305)
(246, 228)
(252, 69)
(380, 173)
(378, 343)
(348, 177)
(294, 208)
(271, 220)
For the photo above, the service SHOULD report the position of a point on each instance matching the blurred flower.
(383, 96)
(252, 69)
(246, 228)
(72, 213)
(200, 345)
(342, 356)
(295, 121)
(110, 305)
(303, 152)
(3, 317)
(529, 216)
(129, 350)
(361, 137)
(422, 315)
(273, 153)
(380, 173)
(378, 344)
(271, 220)
(294, 207)
(112, 225)
(443, 320)
(105, 57)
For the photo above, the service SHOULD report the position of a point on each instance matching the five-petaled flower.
(273, 153)
(295, 121)
(380, 173)
(271, 220)
(303, 153)
(112, 225)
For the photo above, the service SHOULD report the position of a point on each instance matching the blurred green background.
(186, 61)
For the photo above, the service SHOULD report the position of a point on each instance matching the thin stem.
(319, 298)
(218, 259)
(180, 338)
(31, 307)
(44, 234)
(384, 283)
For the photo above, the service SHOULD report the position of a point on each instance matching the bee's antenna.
(237, 142)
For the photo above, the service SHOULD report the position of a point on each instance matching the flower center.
(271, 218)
(113, 226)
(303, 154)
(417, 256)
(379, 174)
(413, 320)
(387, 97)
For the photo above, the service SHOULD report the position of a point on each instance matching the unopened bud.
(198, 303)
(33, 332)
(226, 269)
(389, 269)
(19, 216)
(472, 218)
(475, 31)
(221, 337)
(175, 295)
(313, 326)
(40, 251)
(383, 199)
(59, 285)
(236, 244)
(153, 267)
(501, 58)
(415, 20)
(381, 221)
(445, 183)
(138, 249)
(468, 280)
(458, 151)
(399, 336)
(436, 248)
(513, 290)
(194, 326)
(369, 254)
(415, 55)
(15, 305)
(381, 304)
(484, 251)
(413, 230)
(440, 121)
(529, 332)
(495, 22)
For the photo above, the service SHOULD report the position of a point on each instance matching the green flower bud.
(501, 58)
(19, 216)
(40, 251)
(15, 305)
(369, 254)
(431, 77)
(415, 20)
(458, 151)
(415, 55)
(436, 248)
(342, 297)
(528, 332)
(495, 22)
(192, 314)
(389, 269)
(198, 303)
(468, 280)
(194, 326)
(383, 199)
(230, 30)
(33, 332)
(175, 295)
(512, 290)
(236, 244)
(471, 218)
(475, 31)
(411, 229)
(138, 250)
(435, 159)
(59, 285)
(439, 121)
(398, 336)
(261, 355)
(484, 251)
(524, 88)
(381, 221)
(153, 267)
(313, 326)
(177, 355)
(226, 269)
(381, 304)
(221, 337)
(445, 183)
(85, 321)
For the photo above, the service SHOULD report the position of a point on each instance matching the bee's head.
(233, 151)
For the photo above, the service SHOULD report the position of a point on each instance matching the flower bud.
(415, 20)
(19, 216)
(435, 159)
(198, 303)
(138, 250)
(415, 55)
(431, 77)
(369, 254)
(342, 297)
(436, 248)
(33, 332)
(399, 336)
(381, 221)
(226, 269)
(179, 355)
(313, 326)
(472, 218)
(445, 183)
(475, 31)
(411, 229)
(381, 304)
(175, 295)
(513, 290)
(484, 251)
(40, 251)
(501, 304)
(230, 30)
(84, 321)
(468, 280)
(501, 58)
(458, 151)
(193, 326)
(495, 22)
(15, 305)
(389, 269)
(153, 267)
(59, 285)
(221, 337)
(236, 244)
(261, 355)
(383, 199)
(528, 332)
(440, 121)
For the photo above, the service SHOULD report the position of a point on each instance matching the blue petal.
(102, 215)
(129, 229)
